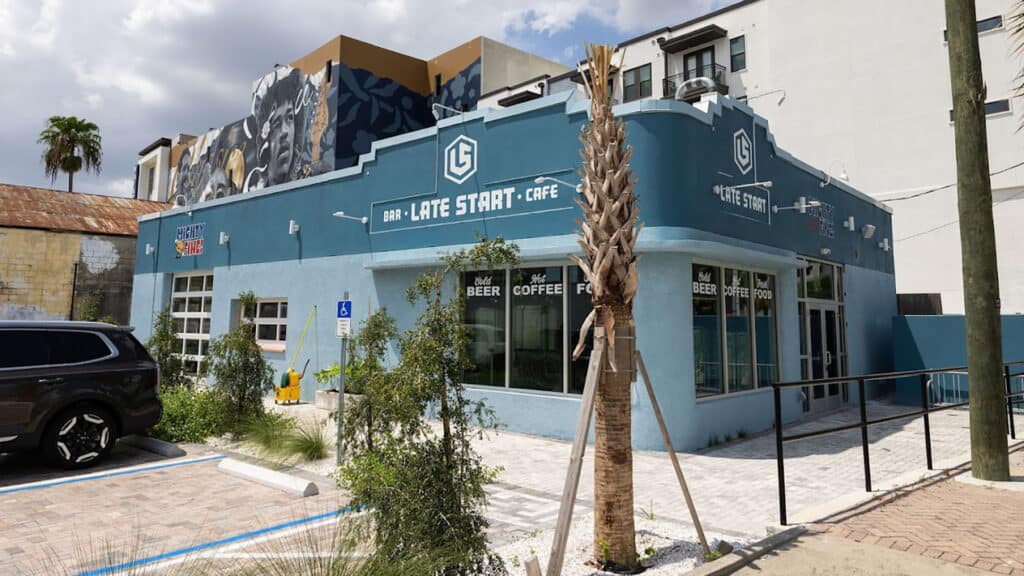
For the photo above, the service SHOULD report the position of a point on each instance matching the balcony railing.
(715, 72)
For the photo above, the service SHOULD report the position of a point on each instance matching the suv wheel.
(79, 437)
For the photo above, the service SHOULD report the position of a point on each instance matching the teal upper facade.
(475, 175)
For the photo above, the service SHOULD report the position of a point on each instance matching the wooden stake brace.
(579, 446)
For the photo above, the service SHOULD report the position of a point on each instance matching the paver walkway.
(74, 527)
(964, 524)
(735, 486)
(822, 555)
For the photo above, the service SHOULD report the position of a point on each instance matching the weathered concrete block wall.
(105, 270)
(36, 270)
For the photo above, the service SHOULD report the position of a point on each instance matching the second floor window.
(738, 53)
(636, 83)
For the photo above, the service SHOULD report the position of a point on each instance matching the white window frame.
(269, 345)
(204, 314)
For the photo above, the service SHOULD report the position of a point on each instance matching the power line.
(957, 221)
(931, 190)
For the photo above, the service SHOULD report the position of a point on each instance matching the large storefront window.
(580, 306)
(485, 323)
(707, 335)
(191, 308)
(764, 327)
(737, 329)
(538, 342)
(741, 305)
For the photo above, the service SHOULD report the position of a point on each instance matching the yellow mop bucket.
(291, 387)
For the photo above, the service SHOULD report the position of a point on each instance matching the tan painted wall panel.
(36, 271)
(409, 71)
(453, 61)
(504, 66)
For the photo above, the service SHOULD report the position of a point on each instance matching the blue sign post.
(344, 330)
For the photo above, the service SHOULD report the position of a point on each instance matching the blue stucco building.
(755, 267)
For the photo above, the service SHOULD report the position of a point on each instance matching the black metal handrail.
(715, 72)
(1012, 399)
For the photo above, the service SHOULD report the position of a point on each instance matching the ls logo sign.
(460, 159)
(741, 151)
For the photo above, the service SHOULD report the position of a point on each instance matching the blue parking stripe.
(213, 544)
(76, 480)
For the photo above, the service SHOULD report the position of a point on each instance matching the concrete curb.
(735, 560)
(153, 445)
(267, 477)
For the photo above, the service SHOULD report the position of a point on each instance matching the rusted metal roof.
(29, 207)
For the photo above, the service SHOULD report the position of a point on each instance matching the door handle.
(57, 380)
(828, 358)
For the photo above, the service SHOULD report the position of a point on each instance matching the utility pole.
(989, 456)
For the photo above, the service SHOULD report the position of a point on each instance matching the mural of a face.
(282, 140)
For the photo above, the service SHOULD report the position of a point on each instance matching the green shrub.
(240, 371)
(165, 348)
(270, 431)
(190, 415)
(308, 442)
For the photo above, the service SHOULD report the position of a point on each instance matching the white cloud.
(43, 32)
(164, 12)
(120, 187)
(128, 81)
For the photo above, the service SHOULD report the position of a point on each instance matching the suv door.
(25, 371)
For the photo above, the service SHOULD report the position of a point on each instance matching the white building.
(884, 65)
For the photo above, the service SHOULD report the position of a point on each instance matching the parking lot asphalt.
(140, 510)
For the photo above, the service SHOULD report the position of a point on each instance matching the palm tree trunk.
(614, 539)
(71, 180)
(989, 457)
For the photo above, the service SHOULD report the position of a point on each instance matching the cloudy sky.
(142, 69)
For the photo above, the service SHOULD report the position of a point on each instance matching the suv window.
(128, 346)
(76, 347)
(23, 348)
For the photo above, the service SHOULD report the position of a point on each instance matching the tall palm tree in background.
(72, 144)
(608, 233)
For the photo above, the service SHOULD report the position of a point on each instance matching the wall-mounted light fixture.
(884, 245)
(150, 248)
(340, 214)
(825, 251)
(543, 179)
(850, 224)
(293, 227)
(800, 206)
(828, 175)
(224, 238)
(867, 231)
(435, 109)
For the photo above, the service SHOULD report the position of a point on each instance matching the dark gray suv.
(71, 389)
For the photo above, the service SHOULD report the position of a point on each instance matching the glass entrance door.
(822, 332)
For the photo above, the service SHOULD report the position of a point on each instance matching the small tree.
(369, 416)
(165, 348)
(239, 370)
(427, 490)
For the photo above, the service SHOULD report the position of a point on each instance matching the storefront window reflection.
(485, 323)
(737, 329)
(735, 336)
(579, 306)
(707, 339)
(537, 329)
(764, 328)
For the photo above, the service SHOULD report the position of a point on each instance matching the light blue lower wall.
(663, 313)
